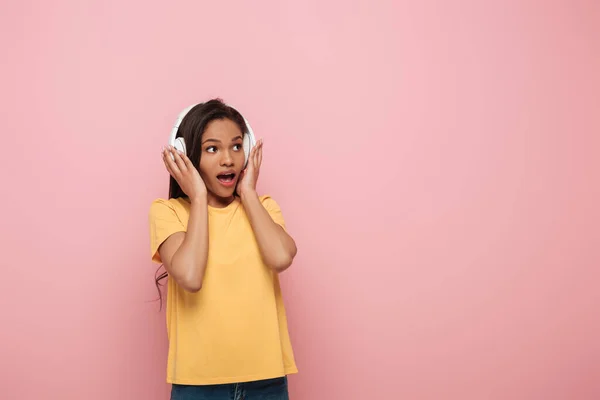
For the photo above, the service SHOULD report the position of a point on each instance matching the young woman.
(222, 246)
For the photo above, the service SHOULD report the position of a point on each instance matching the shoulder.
(167, 208)
(162, 205)
(165, 217)
(268, 202)
(273, 209)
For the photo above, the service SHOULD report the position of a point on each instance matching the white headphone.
(248, 142)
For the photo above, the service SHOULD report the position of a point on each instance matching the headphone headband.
(180, 117)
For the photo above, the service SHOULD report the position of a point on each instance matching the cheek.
(203, 176)
(204, 168)
(240, 156)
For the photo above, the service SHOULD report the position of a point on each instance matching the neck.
(219, 202)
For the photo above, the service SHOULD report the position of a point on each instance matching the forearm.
(189, 261)
(277, 248)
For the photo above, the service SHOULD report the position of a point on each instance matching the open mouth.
(226, 179)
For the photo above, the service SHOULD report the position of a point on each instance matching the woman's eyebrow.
(211, 140)
(218, 141)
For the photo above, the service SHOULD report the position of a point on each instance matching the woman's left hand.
(249, 176)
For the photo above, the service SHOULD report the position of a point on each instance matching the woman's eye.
(211, 149)
(237, 146)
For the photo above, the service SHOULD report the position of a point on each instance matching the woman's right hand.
(183, 171)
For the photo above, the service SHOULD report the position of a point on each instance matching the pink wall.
(440, 173)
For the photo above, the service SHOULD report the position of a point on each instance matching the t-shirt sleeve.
(163, 223)
(273, 209)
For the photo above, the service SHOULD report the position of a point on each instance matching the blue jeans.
(268, 389)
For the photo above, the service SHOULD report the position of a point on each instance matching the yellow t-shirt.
(235, 328)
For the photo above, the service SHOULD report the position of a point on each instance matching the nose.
(226, 159)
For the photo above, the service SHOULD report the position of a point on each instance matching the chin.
(227, 194)
(224, 193)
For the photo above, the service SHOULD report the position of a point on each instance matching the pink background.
(439, 171)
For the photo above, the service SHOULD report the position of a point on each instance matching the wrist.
(200, 199)
(248, 194)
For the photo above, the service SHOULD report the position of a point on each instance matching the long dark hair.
(192, 128)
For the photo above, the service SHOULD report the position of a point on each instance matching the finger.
(253, 151)
(165, 156)
(251, 156)
(260, 154)
(250, 164)
(175, 171)
(178, 160)
(187, 161)
(250, 167)
(257, 154)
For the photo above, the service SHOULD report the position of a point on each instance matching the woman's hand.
(249, 176)
(187, 176)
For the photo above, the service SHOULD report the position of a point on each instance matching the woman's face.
(222, 157)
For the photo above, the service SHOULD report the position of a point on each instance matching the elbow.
(192, 287)
(191, 284)
(281, 257)
(281, 263)
(188, 275)
(285, 259)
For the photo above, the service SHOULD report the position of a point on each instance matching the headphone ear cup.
(179, 144)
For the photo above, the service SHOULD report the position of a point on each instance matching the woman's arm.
(185, 255)
(277, 248)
